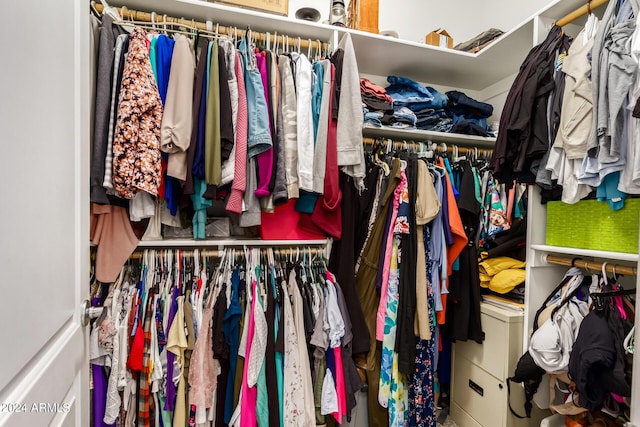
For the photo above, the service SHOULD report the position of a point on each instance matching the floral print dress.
(422, 407)
(136, 143)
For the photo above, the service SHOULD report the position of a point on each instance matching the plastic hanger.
(112, 12)
(333, 44)
(629, 341)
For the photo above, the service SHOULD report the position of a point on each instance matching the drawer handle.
(475, 387)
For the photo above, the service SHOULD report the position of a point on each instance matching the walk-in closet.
(276, 213)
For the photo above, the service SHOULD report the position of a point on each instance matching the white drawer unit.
(479, 373)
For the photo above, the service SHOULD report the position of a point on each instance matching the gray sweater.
(108, 36)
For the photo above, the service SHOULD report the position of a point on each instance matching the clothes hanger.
(379, 162)
(112, 12)
(629, 341)
(333, 43)
(601, 297)
(93, 10)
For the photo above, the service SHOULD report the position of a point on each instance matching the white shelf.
(427, 135)
(379, 55)
(620, 256)
(172, 243)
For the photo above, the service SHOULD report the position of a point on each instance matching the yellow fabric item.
(506, 280)
(501, 274)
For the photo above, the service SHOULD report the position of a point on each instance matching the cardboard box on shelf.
(280, 7)
(440, 38)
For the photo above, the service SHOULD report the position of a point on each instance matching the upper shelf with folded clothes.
(380, 55)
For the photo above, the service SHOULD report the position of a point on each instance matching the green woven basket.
(590, 224)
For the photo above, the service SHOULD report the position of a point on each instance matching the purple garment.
(99, 396)
(262, 64)
(445, 212)
(264, 159)
(331, 364)
(170, 403)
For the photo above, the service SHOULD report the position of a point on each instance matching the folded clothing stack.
(469, 116)
(480, 41)
(375, 97)
(501, 274)
(426, 103)
(375, 102)
(407, 104)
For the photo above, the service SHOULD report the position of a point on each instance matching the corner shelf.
(379, 55)
(426, 135)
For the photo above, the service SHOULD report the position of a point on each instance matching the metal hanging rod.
(582, 10)
(292, 251)
(160, 19)
(592, 265)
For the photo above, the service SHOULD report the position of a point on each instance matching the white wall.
(463, 19)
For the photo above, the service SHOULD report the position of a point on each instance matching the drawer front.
(491, 355)
(461, 417)
(481, 395)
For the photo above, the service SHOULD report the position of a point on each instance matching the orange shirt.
(459, 238)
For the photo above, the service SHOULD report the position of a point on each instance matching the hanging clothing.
(369, 298)
(350, 117)
(104, 89)
(136, 145)
(177, 117)
(523, 132)
(238, 188)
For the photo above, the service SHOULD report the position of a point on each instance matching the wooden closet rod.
(592, 266)
(415, 145)
(582, 10)
(137, 15)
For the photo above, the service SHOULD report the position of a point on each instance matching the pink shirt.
(239, 186)
(382, 307)
(249, 394)
(340, 388)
